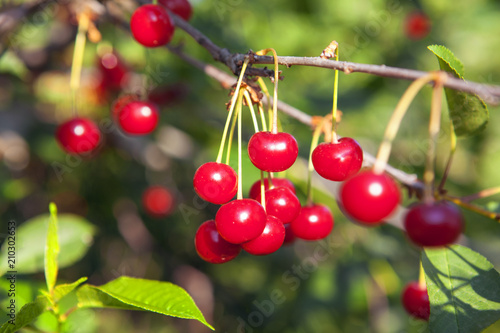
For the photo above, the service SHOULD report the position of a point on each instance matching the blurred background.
(350, 282)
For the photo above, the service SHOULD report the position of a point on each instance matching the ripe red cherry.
(239, 221)
(119, 103)
(254, 192)
(151, 26)
(138, 117)
(272, 152)
(114, 72)
(181, 8)
(78, 135)
(212, 247)
(269, 241)
(417, 25)
(314, 222)
(437, 224)
(158, 201)
(416, 301)
(282, 203)
(215, 182)
(338, 161)
(369, 197)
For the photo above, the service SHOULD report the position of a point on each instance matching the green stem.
(240, 178)
(453, 148)
(262, 118)
(262, 190)
(396, 118)
(421, 277)
(274, 126)
(76, 64)
(231, 109)
(252, 111)
(230, 141)
(434, 127)
(335, 97)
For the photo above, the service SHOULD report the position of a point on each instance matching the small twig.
(481, 194)
(472, 207)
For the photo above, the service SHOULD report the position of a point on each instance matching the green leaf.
(468, 113)
(51, 249)
(63, 289)
(26, 315)
(75, 237)
(140, 294)
(463, 288)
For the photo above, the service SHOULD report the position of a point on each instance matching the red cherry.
(282, 203)
(119, 103)
(338, 161)
(272, 152)
(314, 222)
(369, 197)
(416, 301)
(158, 201)
(151, 26)
(239, 221)
(215, 182)
(417, 25)
(78, 135)
(269, 241)
(138, 117)
(181, 8)
(289, 235)
(437, 224)
(212, 247)
(254, 192)
(114, 71)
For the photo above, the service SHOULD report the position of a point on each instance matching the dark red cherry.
(181, 8)
(212, 247)
(272, 152)
(158, 201)
(138, 117)
(314, 222)
(113, 70)
(436, 224)
(289, 235)
(151, 26)
(254, 192)
(215, 182)
(369, 197)
(417, 25)
(282, 203)
(241, 220)
(416, 301)
(338, 161)
(269, 241)
(78, 135)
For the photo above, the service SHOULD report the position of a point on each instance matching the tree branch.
(490, 93)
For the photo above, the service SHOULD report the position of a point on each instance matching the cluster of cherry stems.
(272, 215)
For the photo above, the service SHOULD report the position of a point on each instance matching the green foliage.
(27, 314)
(463, 288)
(468, 112)
(140, 294)
(75, 237)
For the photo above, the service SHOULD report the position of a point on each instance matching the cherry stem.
(453, 148)
(262, 190)
(262, 118)
(76, 65)
(481, 194)
(310, 167)
(434, 127)
(471, 207)
(240, 178)
(252, 111)
(230, 141)
(396, 118)
(263, 86)
(421, 277)
(335, 98)
(231, 109)
(274, 126)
